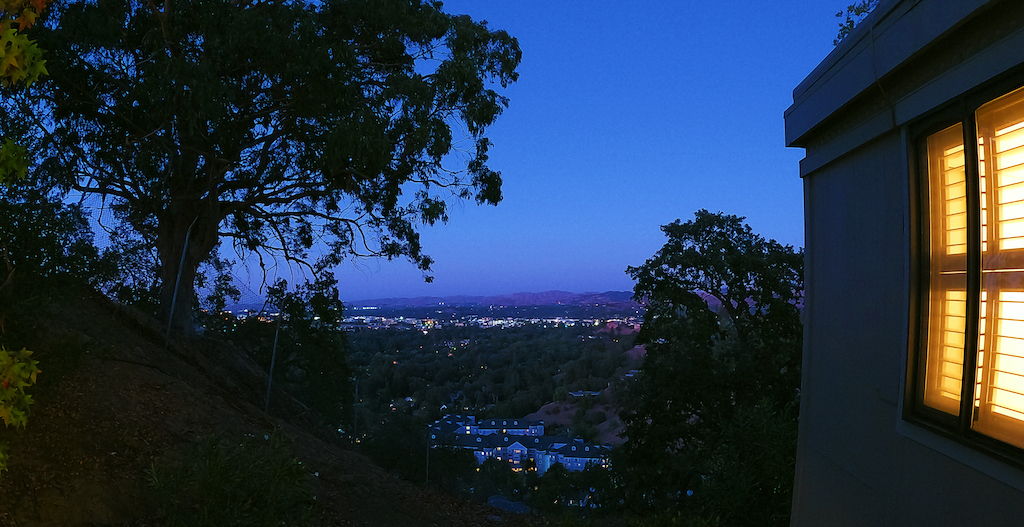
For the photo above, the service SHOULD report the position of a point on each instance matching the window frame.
(962, 111)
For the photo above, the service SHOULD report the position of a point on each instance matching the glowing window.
(973, 337)
(948, 270)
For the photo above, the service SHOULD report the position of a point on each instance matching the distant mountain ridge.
(544, 298)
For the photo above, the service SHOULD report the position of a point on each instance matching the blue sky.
(627, 115)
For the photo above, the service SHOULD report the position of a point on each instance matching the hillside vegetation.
(112, 404)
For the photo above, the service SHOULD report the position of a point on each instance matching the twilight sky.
(626, 116)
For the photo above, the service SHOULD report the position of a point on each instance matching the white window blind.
(1000, 411)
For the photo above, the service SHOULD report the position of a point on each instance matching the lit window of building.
(975, 292)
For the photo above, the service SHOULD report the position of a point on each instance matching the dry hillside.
(113, 399)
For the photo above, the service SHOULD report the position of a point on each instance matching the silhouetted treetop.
(305, 131)
(714, 408)
(719, 256)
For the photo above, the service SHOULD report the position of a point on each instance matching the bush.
(44, 241)
(220, 483)
(311, 353)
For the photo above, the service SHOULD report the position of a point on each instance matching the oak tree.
(310, 132)
(711, 420)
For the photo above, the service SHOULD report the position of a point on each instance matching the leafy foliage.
(559, 488)
(221, 483)
(311, 350)
(21, 63)
(23, 13)
(13, 161)
(21, 60)
(17, 373)
(314, 350)
(400, 445)
(46, 245)
(714, 409)
(479, 370)
(852, 16)
(295, 130)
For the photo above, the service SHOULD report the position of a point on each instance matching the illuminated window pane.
(948, 289)
(1000, 410)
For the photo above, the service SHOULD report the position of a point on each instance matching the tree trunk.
(177, 295)
(185, 237)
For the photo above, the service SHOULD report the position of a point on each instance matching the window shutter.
(948, 276)
(1000, 409)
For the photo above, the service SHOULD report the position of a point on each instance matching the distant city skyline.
(622, 120)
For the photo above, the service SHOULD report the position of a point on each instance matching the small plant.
(253, 481)
(852, 16)
(17, 372)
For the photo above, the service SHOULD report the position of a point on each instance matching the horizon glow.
(623, 120)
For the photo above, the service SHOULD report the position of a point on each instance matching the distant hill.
(545, 298)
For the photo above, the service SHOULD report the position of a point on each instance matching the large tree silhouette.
(306, 131)
(714, 410)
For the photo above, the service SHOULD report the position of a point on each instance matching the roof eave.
(889, 38)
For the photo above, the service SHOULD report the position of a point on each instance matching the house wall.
(858, 461)
(544, 462)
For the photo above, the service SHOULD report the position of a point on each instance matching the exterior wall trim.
(1002, 58)
(967, 456)
(904, 28)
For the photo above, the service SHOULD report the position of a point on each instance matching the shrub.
(251, 482)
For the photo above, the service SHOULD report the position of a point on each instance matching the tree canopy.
(711, 423)
(311, 132)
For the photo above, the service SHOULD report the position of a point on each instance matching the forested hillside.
(490, 372)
